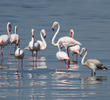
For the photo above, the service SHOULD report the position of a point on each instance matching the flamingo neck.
(15, 30)
(83, 62)
(59, 47)
(53, 39)
(43, 41)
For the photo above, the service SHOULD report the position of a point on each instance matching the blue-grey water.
(91, 21)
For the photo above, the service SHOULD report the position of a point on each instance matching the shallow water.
(89, 18)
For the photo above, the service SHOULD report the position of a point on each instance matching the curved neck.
(82, 61)
(43, 40)
(8, 30)
(53, 39)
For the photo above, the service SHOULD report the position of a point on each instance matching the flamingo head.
(33, 32)
(82, 51)
(54, 24)
(71, 33)
(44, 33)
(9, 27)
(60, 44)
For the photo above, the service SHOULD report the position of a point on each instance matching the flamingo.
(19, 53)
(62, 56)
(41, 44)
(14, 38)
(4, 40)
(66, 41)
(74, 49)
(92, 64)
(30, 46)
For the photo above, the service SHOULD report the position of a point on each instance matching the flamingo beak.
(45, 36)
(52, 27)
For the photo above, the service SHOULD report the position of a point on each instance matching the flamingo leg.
(33, 57)
(22, 64)
(1, 54)
(67, 51)
(72, 56)
(17, 66)
(2, 48)
(36, 58)
(15, 48)
(77, 57)
(67, 62)
(2, 58)
(10, 48)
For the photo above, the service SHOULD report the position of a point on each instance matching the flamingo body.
(14, 38)
(4, 40)
(19, 53)
(61, 55)
(66, 41)
(41, 44)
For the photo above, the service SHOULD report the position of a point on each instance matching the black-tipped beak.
(80, 55)
(53, 29)
(45, 36)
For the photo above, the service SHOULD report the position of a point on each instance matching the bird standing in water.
(63, 56)
(19, 54)
(5, 40)
(14, 38)
(74, 49)
(92, 64)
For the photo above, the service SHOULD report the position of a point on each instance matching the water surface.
(89, 18)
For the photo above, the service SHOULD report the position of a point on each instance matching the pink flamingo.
(14, 38)
(66, 41)
(74, 49)
(63, 56)
(4, 40)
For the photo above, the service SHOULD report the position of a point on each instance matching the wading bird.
(63, 56)
(19, 54)
(13, 39)
(92, 64)
(4, 40)
(65, 40)
(74, 49)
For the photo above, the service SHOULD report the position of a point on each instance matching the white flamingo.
(74, 49)
(41, 44)
(14, 38)
(30, 46)
(19, 53)
(63, 56)
(92, 64)
(4, 40)
(66, 41)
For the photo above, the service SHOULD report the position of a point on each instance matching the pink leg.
(2, 59)
(36, 58)
(67, 62)
(33, 58)
(67, 51)
(1, 54)
(72, 56)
